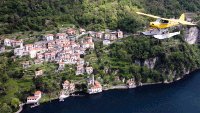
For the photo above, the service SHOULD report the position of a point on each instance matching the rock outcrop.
(192, 35)
(150, 63)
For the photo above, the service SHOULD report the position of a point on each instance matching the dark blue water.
(179, 97)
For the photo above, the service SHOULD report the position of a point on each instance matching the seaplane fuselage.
(163, 24)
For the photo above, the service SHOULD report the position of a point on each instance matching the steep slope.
(148, 60)
(22, 15)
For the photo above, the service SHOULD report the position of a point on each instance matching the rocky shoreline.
(116, 87)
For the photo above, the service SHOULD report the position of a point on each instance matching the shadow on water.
(179, 97)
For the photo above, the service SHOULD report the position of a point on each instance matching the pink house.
(95, 87)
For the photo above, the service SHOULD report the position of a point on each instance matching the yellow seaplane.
(159, 28)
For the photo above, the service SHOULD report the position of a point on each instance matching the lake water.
(179, 97)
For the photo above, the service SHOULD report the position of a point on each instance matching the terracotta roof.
(61, 63)
(38, 92)
(49, 35)
(66, 82)
(97, 84)
(29, 45)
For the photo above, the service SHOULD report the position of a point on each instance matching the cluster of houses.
(62, 48)
(58, 48)
(109, 36)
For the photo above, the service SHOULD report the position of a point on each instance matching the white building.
(49, 37)
(7, 42)
(34, 99)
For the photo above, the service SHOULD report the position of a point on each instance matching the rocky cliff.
(191, 35)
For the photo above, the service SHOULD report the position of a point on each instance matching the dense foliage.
(174, 59)
(23, 15)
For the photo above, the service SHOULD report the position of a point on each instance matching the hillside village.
(62, 48)
(65, 48)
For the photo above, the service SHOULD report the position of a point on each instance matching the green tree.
(4, 108)
(15, 103)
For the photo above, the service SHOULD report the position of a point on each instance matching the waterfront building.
(34, 99)
(94, 86)
(131, 83)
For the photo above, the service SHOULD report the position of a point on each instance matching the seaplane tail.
(182, 17)
(182, 21)
(168, 35)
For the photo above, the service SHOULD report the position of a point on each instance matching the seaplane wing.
(152, 16)
(149, 15)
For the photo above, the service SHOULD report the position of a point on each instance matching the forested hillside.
(22, 15)
(124, 59)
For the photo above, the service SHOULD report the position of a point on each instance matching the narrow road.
(20, 108)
